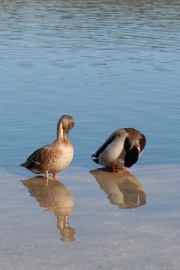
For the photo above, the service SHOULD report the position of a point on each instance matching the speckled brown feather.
(54, 157)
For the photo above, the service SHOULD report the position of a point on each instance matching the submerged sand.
(91, 219)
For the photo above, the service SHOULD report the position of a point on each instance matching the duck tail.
(27, 165)
(95, 158)
(22, 164)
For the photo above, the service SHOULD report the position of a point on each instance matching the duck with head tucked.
(54, 157)
(121, 150)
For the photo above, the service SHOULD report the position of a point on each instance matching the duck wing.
(109, 140)
(37, 158)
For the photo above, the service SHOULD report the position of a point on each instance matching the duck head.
(65, 124)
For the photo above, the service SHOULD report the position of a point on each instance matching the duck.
(54, 157)
(121, 149)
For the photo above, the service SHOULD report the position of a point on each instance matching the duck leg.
(47, 178)
(54, 176)
(113, 168)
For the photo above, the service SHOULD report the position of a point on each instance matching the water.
(109, 64)
(134, 225)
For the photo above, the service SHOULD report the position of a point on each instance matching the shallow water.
(109, 64)
(92, 220)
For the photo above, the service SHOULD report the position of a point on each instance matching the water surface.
(109, 64)
(89, 223)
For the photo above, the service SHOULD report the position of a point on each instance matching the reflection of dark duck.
(121, 150)
(55, 198)
(123, 190)
(54, 157)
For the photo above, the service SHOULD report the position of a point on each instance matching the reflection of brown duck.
(55, 198)
(123, 190)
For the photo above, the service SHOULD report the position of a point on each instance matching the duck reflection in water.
(54, 198)
(123, 189)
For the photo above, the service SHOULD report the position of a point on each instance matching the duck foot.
(50, 179)
(116, 170)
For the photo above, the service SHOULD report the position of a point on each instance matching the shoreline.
(82, 216)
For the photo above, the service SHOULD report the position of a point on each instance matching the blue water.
(109, 64)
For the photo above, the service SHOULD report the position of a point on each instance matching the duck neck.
(61, 133)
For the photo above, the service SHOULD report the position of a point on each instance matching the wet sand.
(91, 219)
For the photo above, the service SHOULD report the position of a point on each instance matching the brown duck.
(54, 157)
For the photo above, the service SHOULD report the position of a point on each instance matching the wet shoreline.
(92, 215)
